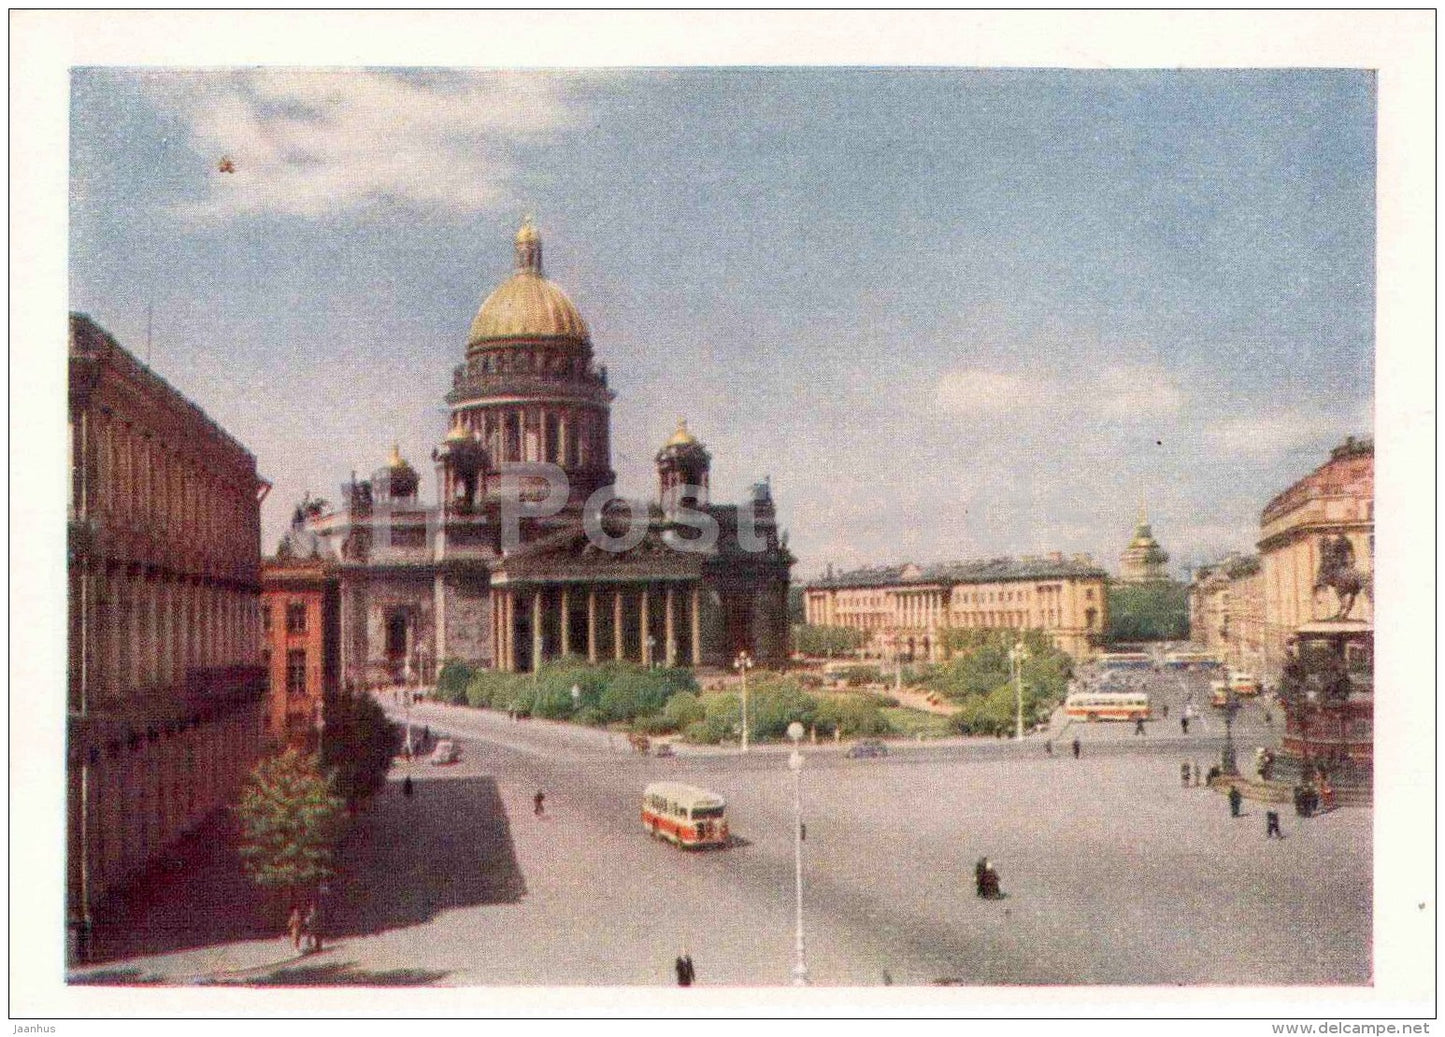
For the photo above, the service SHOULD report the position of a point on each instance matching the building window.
(296, 617)
(296, 672)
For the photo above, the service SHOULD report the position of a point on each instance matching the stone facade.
(1335, 500)
(905, 608)
(301, 635)
(1226, 612)
(165, 688)
(421, 583)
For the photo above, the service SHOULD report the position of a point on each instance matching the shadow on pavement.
(447, 846)
(402, 862)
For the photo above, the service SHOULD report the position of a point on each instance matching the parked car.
(867, 749)
(446, 752)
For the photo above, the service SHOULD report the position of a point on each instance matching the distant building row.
(906, 608)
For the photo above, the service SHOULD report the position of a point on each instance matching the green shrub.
(682, 710)
(851, 716)
(775, 703)
(722, 717)
(655, 724)
(452, 682)
(858, 676)
(699, 733)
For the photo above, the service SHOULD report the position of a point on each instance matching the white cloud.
(1283, 431)
(1116, 392)
(312, 142)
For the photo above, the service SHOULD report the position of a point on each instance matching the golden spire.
(395, 460)
(529, 246)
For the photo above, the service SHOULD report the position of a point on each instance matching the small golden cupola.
(402, 480)
(683, 466)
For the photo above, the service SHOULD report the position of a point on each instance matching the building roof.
(527, 305)
(995, 570)
(1350, 471)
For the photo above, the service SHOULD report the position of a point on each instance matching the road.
(1115, 873)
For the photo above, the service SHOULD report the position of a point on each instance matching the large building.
(1143, 561)
(528, 452)
(906, 608)
(165, 683)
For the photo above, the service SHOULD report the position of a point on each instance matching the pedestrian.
(1235, 799)
(406, 789)
(313, 928)
(1268, 718)
(1138, 726)
(1048, 748)
(1076, 748)
(426, 735)
(1184, 774)
(1166, 711)
(691, 972)
(537, 802)
(1271, 825)
(1184, 723)
(683, 970)
(293, 926)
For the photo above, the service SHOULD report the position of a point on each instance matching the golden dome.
(527, 305)
(458, 433)
(682, 437)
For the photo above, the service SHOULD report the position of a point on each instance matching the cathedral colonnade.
(655, 623)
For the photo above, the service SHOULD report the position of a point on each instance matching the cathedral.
(1143, 561)
(527, 556)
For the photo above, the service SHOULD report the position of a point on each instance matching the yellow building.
(1226, 612)
(906, 608)
(1328, 511)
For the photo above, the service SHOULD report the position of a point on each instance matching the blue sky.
(953, 314)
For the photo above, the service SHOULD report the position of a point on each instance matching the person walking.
(1076, 748)
(1184, 774)
(293, 926)
(1166, 711)
(1184, 723)
(1138, 726)
(683, 967)
(1271, 825)
(406, 787)
(313, 929)
(1235, 799)
(537, 801)
(1049, 748)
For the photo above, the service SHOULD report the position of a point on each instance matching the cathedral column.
(669, 631)
(565, 640)
(617, 624)
(562, 458)
(509, 630)
(696, 627)
(642, 624)
(592, 624)
(536, 629)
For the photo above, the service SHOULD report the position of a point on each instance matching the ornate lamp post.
(1017, 654)
(743, 663)
(795, 764)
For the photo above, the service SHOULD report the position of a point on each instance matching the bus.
(684, 814)
(1108, 705)
(1126, 661)
(1190, 661)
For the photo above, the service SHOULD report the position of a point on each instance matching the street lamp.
(1017, 654)
(1227, 761)
(743, 663)
(795, 764)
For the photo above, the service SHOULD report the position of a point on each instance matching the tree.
(290, 822)
(826, 640)
(357, 745)
(1148, 612)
